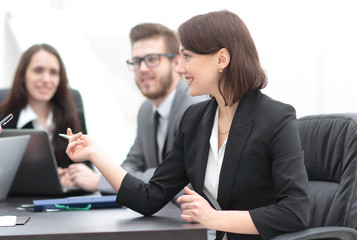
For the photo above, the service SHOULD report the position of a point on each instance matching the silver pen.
(6, 119)
(65, 136)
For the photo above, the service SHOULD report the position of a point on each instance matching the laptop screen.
(37, 173)
(12, 150)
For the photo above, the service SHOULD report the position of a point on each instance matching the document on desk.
(73, 203)
(7, 221)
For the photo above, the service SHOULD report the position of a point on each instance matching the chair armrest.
(343, 233)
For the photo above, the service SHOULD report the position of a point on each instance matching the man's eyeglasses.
(151, 60)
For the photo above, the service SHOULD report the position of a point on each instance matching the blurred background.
(308, 49)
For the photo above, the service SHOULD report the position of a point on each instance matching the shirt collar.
(27, 115)
(165, 106)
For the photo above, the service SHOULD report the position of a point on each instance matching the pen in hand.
(6, 119)
(65, 136)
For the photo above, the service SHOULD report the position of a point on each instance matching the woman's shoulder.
(273, 112)
(275, 105)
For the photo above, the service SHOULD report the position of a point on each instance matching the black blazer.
(263, 167)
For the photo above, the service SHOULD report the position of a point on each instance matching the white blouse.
(215, 159)
(28, 115)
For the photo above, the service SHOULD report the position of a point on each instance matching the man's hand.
(83, 177)
(64, 177)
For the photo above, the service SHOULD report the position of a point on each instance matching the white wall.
(105, 119)
(307, 47)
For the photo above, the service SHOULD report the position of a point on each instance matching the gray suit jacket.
(141, 160)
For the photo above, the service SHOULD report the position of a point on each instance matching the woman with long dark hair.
(40, 98)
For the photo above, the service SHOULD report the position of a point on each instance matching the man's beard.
(164, 84)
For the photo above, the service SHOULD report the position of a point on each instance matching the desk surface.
(113, 223)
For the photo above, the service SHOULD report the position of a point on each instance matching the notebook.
(12, 150)
(73, 203)
(37, 173)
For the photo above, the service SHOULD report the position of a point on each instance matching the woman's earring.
(220, 69)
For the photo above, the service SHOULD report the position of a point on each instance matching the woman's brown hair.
(208, 33)
(64, 109)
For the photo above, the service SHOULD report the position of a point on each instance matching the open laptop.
(12, 150)
(37, 173)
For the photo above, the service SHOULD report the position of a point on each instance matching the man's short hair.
(154, 30)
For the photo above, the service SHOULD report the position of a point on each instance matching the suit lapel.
(150, 135)
(239, 133)
(203, 136)
(176, 103)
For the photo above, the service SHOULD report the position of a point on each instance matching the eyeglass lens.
(150, 61)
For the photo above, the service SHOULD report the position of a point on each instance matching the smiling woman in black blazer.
(240, 149)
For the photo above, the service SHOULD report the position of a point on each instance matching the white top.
(164, 111)
(28, 115)
(215, 159)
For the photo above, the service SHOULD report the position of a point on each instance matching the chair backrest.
(3, 94)
(75, 95)
(330, 145)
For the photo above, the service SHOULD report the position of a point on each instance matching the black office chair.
(330, 145)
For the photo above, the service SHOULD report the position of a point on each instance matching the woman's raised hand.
(80, 147)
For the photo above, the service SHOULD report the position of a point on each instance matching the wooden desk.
(113, 223)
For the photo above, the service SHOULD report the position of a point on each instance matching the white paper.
(7, 221)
